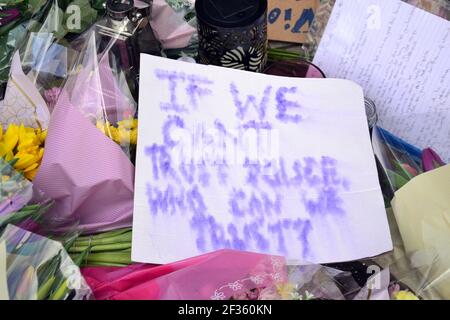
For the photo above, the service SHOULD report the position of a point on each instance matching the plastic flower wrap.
(37, 268)
(306, 282)
(104, 85)
(40, 32)
(20, 202)
(215, 276)
(24, 118)
(86, 167)
(400, 161)
(14, 23)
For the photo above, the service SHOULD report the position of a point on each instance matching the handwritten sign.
(232, 159)
(400, 55)
(290, 20)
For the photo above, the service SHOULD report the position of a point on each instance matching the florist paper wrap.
(23, 104)
(422, 210)
(218, 276)
(87, 175)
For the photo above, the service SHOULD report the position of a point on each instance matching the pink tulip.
(431, 160)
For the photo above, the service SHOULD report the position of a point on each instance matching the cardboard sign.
(290, 20)
(240, 160)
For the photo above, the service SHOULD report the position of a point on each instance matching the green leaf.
(396, 179)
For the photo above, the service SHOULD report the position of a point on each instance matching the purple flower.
(51, 96)
(431, 160)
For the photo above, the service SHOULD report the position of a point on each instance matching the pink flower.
(51, 97)
(431, 160)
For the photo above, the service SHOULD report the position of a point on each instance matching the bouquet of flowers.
(38, 26)
(33, 267)
(20, 203)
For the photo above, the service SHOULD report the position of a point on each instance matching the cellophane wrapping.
(38, 268)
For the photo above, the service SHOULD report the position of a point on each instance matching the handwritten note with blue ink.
(232, 159)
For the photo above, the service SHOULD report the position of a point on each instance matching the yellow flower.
(25, 160)
(404, 295)
(129, 123)
(31, 174)
(125, 133)
(285, 290)
(124, 136)
(43, 136)
(100, 126)
(25, 144)
(9, 156)
(11, 137)
(133, 136)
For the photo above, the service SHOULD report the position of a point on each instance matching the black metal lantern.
(233, 33)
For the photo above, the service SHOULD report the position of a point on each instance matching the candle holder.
(233, 33)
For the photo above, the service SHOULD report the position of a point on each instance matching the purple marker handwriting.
(255, 207)
(283, 105)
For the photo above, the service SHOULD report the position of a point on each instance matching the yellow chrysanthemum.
(404, 295)
(129, 123)
(124, 133)
(100, 126)
(133, 136)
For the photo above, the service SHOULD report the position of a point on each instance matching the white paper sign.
(233, 159)
(400, 55)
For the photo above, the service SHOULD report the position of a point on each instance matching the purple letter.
(251, 100)
(194, 90)
(173, 78)
(283, 104)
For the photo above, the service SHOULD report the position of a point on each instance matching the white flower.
(258, 279)
(235, 286)
(218, 296)
(308, 296)
(296, 296)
